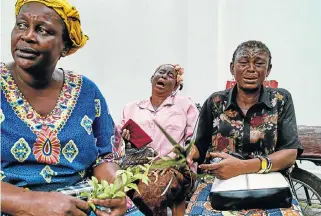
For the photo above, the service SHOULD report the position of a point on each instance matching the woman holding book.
(177, 115)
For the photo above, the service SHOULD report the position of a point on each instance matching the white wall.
(128, 39)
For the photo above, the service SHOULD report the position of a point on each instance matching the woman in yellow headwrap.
(55, 124)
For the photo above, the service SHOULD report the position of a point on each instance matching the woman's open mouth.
(26, 53)
(160, 84)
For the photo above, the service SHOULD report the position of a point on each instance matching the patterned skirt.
(200, 205)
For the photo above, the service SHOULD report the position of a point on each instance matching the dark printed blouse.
(268, 126)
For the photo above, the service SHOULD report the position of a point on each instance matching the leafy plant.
(124, 182)
(125, 179)
(179, 162)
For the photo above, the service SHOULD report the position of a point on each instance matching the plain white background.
(130, 38)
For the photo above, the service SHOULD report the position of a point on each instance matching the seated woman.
(55, 124)
(250, 120)
(178, 116)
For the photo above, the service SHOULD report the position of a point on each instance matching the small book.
(138, 137)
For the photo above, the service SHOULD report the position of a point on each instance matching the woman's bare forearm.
(280, 160)
(14, 199)
(283, 159)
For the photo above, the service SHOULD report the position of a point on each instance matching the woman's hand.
(227, 168)
(125, 134)
(54, 204)
(192, 155)
(118, 206)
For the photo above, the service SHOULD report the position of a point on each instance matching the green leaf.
(119, 194)
(95, 183)
(94, 179)
(119, 172)
(107, 189)
(100, 187)
(148, 166)
(124, 178)
(85, 194)
(92, 206)
(142, 167)
(103, 196)
(129, 173)
(91, 183)
(126, 189)
(145, 181)
(104, 184)
(133, 186)
(113, 188)
(140, 176)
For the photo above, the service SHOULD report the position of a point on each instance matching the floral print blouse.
(268, 126)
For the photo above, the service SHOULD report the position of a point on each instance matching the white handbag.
(251, 191)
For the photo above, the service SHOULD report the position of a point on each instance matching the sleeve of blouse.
(287, 128)
(103, 129)
(204, 129)
(192, 116)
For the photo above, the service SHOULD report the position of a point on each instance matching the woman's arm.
(281, 160)
(108, 144)
(14, 199)
(20, 201)
(231, 166)
(203, 134)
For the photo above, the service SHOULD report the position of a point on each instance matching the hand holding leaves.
(124, 182)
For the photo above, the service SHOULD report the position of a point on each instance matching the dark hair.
(253, 44)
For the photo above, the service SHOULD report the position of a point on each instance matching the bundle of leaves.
(125, 181)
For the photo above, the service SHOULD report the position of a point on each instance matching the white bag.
(251, 191)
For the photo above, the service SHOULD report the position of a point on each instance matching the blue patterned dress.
(45, 153)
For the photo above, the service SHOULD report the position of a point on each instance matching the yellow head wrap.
(69, 15)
